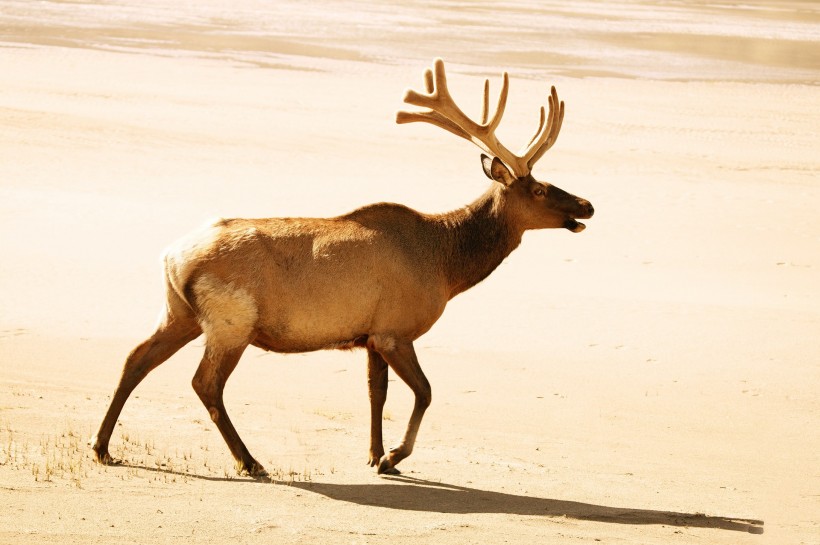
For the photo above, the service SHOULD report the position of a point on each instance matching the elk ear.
(496, 170)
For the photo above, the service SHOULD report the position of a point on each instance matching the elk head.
(538, 205)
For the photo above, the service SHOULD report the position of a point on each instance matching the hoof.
(101, 455)
(387, 468)
(105, 459)
(374, 459)
(254, 469)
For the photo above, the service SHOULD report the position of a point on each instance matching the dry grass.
(66, 457)
(60, 456)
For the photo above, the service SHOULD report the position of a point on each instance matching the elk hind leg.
(209, 384)
(175, 330)
(228, 315)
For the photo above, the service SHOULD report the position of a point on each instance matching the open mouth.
(574, 225)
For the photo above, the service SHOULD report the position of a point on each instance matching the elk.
(377, 278)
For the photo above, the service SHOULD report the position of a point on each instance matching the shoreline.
(769, 41)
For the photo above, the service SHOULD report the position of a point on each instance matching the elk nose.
(587, 207)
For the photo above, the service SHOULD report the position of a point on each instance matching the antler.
(443, 112)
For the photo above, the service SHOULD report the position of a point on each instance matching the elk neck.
(477, 238)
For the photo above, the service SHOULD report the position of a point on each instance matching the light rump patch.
(227, 313)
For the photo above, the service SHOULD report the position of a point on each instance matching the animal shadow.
(411, 494)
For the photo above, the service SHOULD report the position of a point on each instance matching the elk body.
(377, 278)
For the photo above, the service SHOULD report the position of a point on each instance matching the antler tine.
(545, 124)
(436, 87)
(538, 130)
(553, 136)
(547, 134)
(443, 112)
(502, 104)
(434, 118)
(485, 108)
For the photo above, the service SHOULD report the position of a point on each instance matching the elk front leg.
(401, 357)
(377, 389)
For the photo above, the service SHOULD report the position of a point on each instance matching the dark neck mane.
(477, 239)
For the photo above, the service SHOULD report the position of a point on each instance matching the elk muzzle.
(573, 207)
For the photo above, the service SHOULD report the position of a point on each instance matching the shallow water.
(671, 40)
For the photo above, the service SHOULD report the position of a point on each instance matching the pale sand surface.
(651, 380)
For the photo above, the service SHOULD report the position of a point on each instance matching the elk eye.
(538, 192)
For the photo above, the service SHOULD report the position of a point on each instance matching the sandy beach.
(653, 379)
